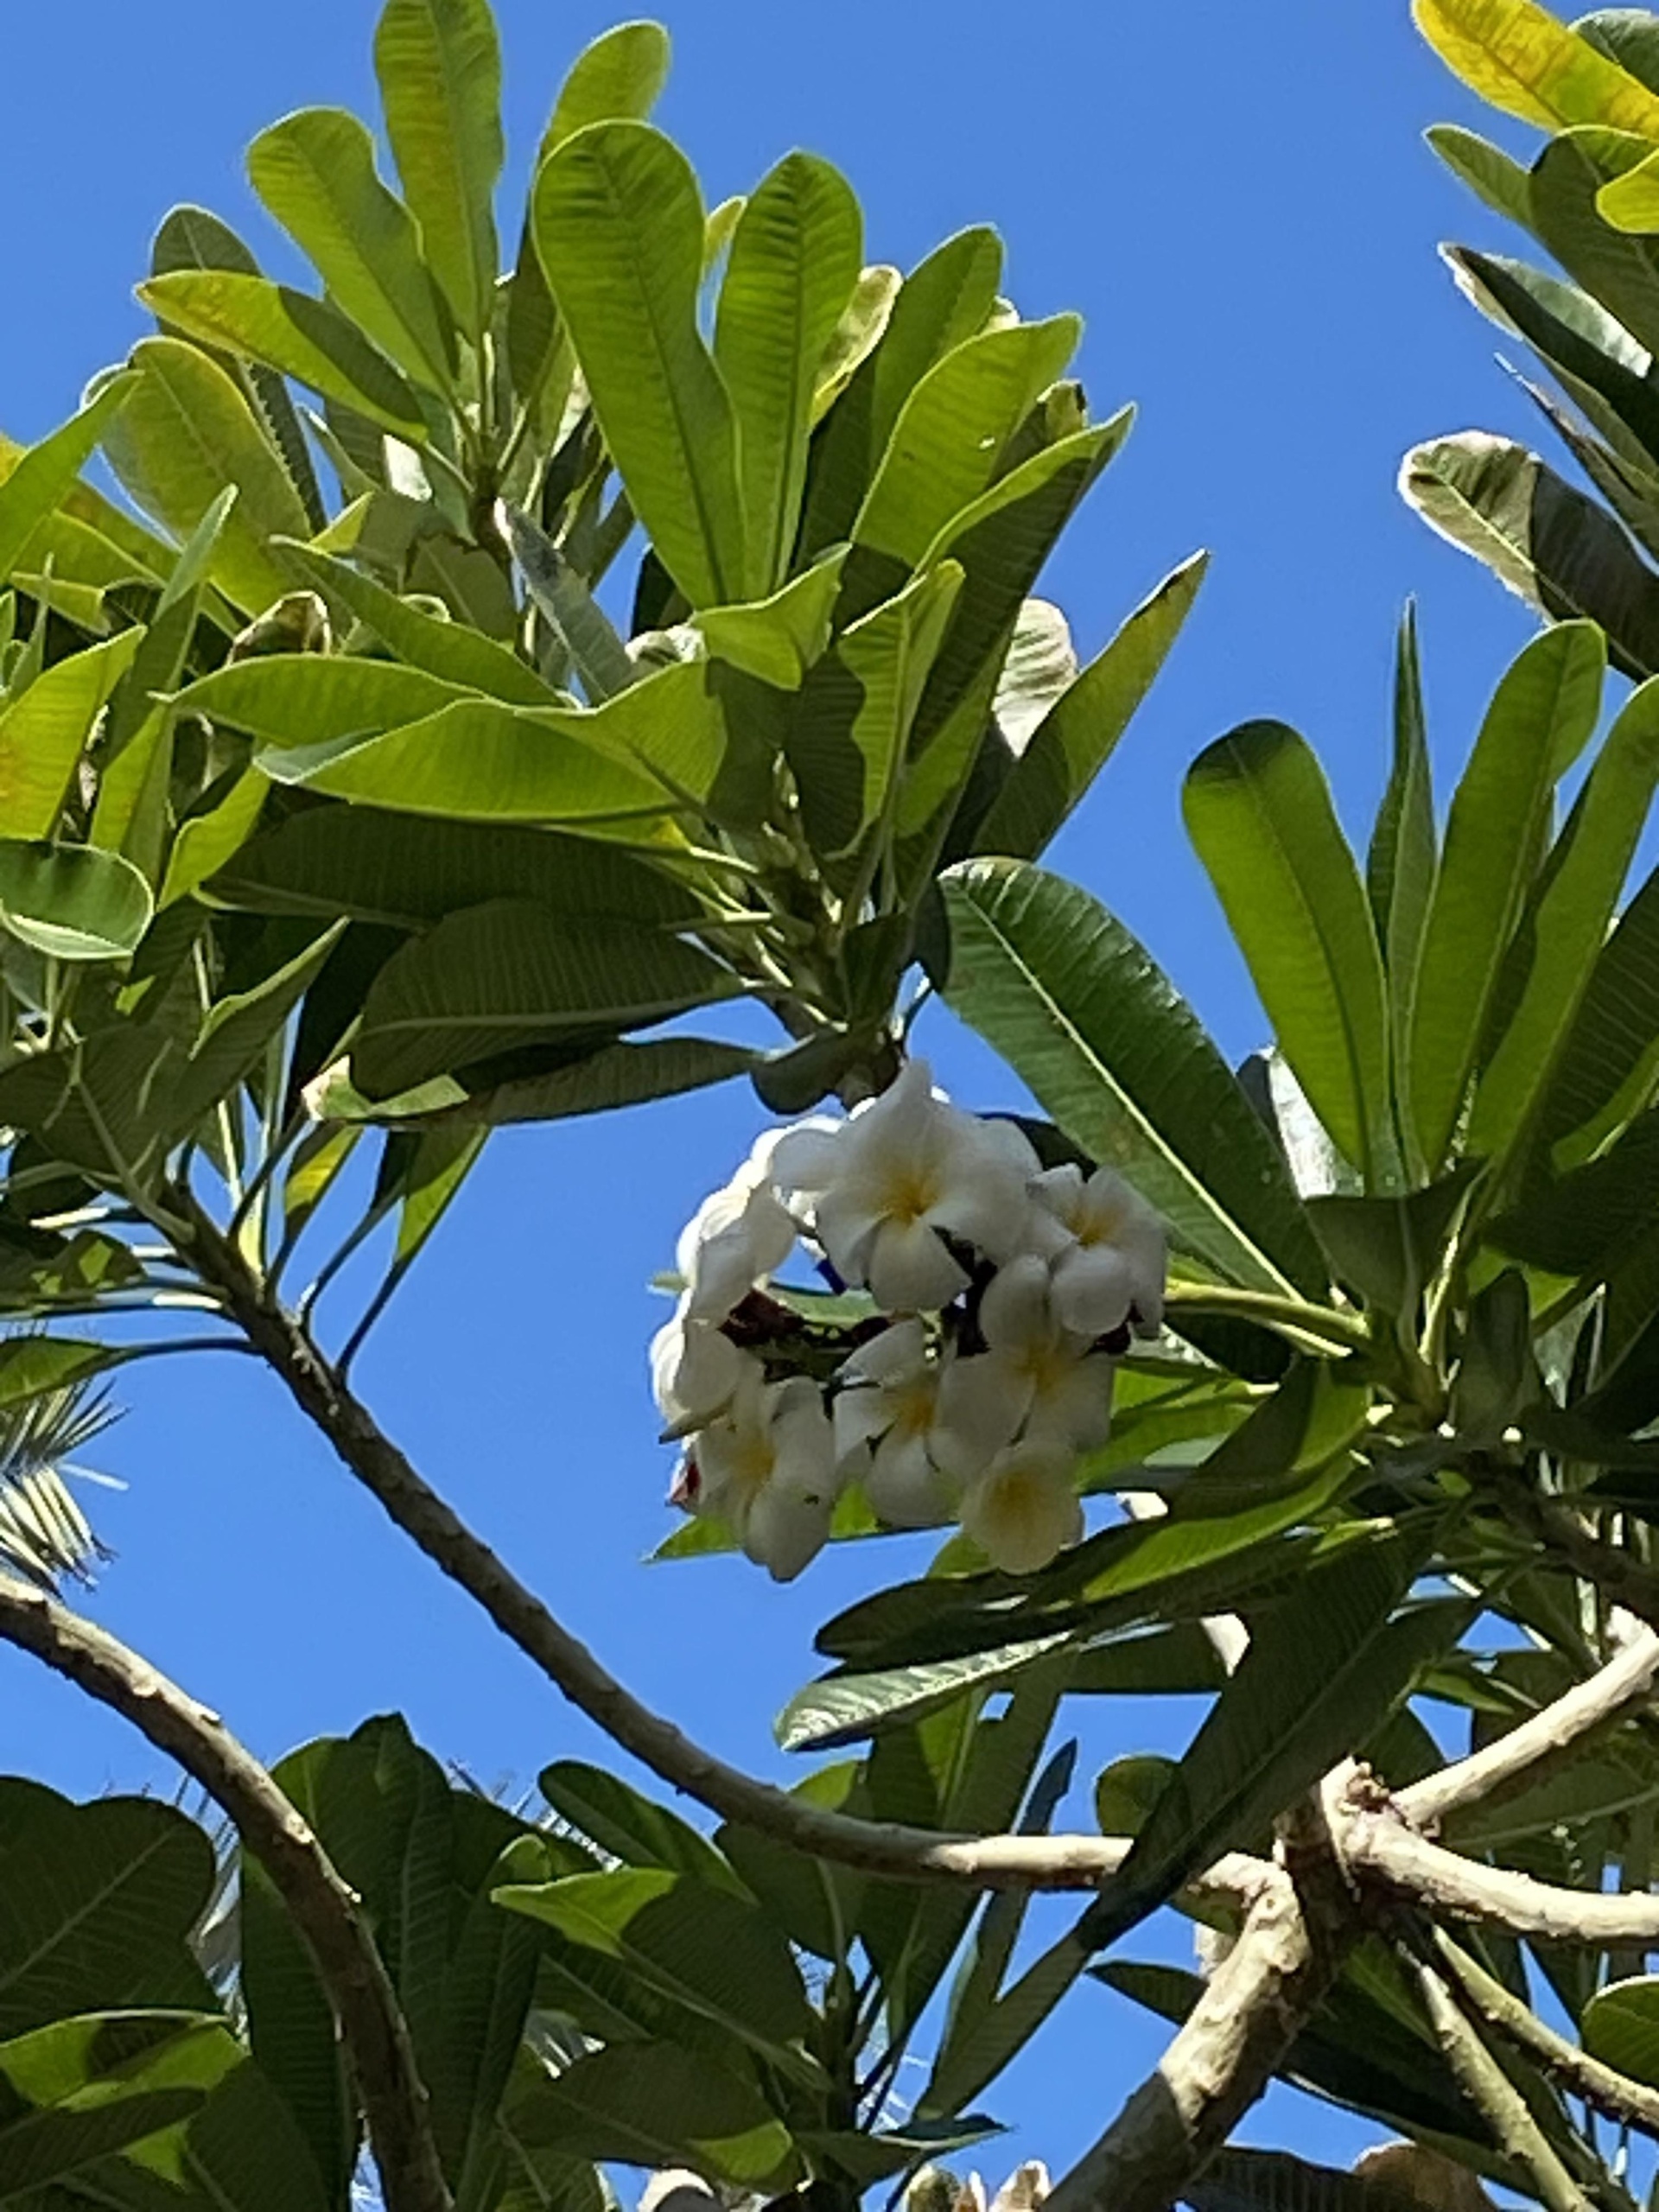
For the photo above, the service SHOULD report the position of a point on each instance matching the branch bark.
(1380, 1851)
(1625, 1681)
(323, 1909)
(1602, 2086)
(1232, 2043)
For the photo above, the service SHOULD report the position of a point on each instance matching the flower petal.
(908, 1269)
(982, 1401)
(1094, 1288)
(904, 1485)
(1023, 1510)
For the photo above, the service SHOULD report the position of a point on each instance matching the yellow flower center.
(911, 1192)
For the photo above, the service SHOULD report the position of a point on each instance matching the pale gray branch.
(1379, 1850)
(1625, 1681)
(321, 1906)
(1486, 2086)
(1602, 2086)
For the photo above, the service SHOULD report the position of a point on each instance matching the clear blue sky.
(1237, 198)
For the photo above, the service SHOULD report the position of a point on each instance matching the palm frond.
(44, 1535)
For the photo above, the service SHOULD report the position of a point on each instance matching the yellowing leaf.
(1526, 61)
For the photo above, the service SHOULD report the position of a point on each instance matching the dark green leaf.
(1551, 546)
(72, 902)
(1076, 738)
(1075, 1005)
(492, 978)
(656, 2104)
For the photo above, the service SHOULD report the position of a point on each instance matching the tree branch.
(1486, 2086)
(1378, 1849)
(877, 1847)
(1234, 2040)
(1603, 2086)
(324, 1910)
(1624, 1681)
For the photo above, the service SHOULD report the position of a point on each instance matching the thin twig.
(1490, 2090)
(322, 1908)
(1608, 2091)
(906, 1854)
(1624, 1681)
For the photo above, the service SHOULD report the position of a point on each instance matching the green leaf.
(314, 171)
(313, 699)
(1076, 738)
(234, 1036)
(1605, 1070)
(1117, 1058)
(794, 259)
(72, 902)
(943, 300)
(619, 224)
(1618, 270)
(629, 1827)
(579, 624)
(191, 239)
(97, 1903)
(1400, 866)
(848, 736)
(44, 730)
(846, 1708)
(1002, 541)
(184, 432)
(620, 75)
(453, 651)
(1322, 1672)
(439, 65)
(1488, 172)
(660, 744)
(492, 978)
(1539, 721)
(600, 1081)
(1258, 810)
(40, 1366)
(1555, 548)
(1497, 1374)
(308, 340)
(35, 485)
(701, 1947)
(1390, 1249)
(1620, 2027)
(953, 431)
(84, 2089)
(1566, 924)
(777, 640)
(206, 841)
(653, 2104)
(406, 871)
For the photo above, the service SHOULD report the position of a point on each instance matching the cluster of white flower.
(1002, 1291)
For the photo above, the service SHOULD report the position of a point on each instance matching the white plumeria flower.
(1024, 1508)
(735, 1239)
(695, 1370)
(903, 1168)
(768, 1467)
(889, 1399)
(1112, 1270)
(1035, 1378)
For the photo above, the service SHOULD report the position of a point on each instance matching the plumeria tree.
(487, 681)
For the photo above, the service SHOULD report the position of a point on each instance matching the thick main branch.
(322, 1908)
